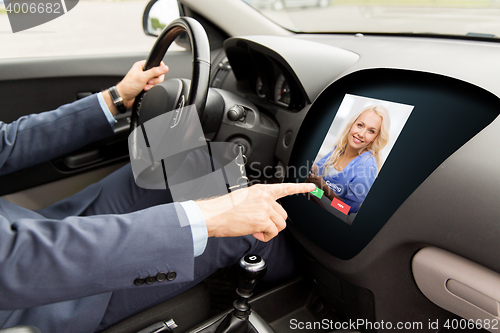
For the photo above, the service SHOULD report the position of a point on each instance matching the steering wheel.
(167, 134)
(172, 94)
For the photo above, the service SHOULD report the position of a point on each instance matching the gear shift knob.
(252, 270)
(252, 263)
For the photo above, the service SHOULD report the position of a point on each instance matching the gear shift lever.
(252, 269)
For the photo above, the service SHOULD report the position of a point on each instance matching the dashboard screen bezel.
(441, 106)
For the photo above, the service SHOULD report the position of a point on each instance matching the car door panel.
(39, 197)
(36, 85)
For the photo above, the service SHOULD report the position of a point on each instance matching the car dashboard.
(435, 198)
(437, 185)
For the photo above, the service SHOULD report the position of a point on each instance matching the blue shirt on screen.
(353, 183)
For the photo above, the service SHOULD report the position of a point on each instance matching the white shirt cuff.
(198, 226)
(105, 109)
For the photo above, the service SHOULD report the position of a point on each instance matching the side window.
(92, 27)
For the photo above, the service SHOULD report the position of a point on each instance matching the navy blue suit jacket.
(64, 270)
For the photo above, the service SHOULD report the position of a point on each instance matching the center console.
(241, 319)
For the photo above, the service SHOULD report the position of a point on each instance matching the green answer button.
(317, 192)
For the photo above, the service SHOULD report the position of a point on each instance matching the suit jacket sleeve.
(41, 137)
(45, 261)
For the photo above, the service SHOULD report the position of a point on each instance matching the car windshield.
(477, 18)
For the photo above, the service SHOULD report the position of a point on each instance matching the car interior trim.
(310, 74)
(457, 284)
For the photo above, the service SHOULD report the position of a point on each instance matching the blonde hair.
(375, 147)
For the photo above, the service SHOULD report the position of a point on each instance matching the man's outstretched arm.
(41, 137)
(250, 211)
(45, 260)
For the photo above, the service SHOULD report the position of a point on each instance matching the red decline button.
(344, 208)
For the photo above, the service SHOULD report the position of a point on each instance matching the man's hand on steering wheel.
(134, 82)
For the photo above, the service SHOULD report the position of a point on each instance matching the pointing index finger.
(282, 190)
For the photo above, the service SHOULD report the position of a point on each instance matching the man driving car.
(114, 248)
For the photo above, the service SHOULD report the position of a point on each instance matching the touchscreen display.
(353, 152)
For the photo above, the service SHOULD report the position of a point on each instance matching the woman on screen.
(349, 170)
